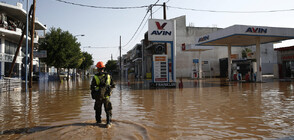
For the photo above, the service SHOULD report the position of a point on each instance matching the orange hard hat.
(100, 65)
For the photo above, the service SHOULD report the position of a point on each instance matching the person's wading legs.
(108, 108)
(97, 108)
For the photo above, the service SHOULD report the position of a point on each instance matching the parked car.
(36, 76)
(63, 75)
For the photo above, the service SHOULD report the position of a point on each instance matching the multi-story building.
(12, 20)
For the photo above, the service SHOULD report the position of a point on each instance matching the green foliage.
(111, 66)
(63, 50)
(87, 61)
(245, 52)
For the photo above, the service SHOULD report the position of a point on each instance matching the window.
(10, 47)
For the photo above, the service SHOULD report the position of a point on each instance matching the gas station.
(243, 36)
(197, 70)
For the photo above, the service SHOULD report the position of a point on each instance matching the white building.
(184, 61)
(12, 20)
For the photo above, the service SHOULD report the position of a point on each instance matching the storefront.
(286, 62)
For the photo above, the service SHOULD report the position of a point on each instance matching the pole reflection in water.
(204, 109)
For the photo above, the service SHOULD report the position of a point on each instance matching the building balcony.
(9, 58)
(15, 14)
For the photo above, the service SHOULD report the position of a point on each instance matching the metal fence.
(10, 84)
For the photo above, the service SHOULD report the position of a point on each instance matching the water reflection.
(203, 109)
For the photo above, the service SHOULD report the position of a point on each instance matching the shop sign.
(195, 61)
(40, 54)
(183, 47)
(291, 57)
(160, 68)
(204, 62)
(160, 30)
(256, 30)
(163, 84)
(234, 56)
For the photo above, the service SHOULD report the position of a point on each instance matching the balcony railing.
(8, 57)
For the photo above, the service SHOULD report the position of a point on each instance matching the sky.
(102, 28)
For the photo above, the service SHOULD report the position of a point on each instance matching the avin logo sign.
(256, 30)
(160, 30)
(160, 27)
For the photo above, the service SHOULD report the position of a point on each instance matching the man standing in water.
(101, 86)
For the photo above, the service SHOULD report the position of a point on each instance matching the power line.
(102, 7)
(143, 27)
(215, 11)
(159, 8)
(140, 25)
(137, 29)
(101, 47)
(181, 8)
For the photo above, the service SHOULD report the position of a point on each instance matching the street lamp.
(74, 37)
(79, 35)
(84, 58)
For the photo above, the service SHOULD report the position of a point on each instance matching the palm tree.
(245, 52)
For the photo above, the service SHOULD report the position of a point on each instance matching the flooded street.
(204, 109)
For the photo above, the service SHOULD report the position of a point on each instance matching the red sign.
(160, 27)
(183, 47)
(291, 57)
(160, 79)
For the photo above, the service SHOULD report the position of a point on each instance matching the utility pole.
(164, 11)
(32, 44)
(120, 73)
(164, 17)
(150, 9)
(27, 42)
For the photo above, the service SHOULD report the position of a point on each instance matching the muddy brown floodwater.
(204, 109)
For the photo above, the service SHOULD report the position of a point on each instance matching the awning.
(193, 47)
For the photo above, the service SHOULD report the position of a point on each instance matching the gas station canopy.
(193, 47)
(244, 35)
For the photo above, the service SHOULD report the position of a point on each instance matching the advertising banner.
(160, 68)
(160, 30)
(40, 54)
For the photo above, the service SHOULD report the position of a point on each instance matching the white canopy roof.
(193, 47)
(245, 35)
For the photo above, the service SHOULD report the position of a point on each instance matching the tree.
(111, 66)
(245, 52)
(87, 61)
(63, 50)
